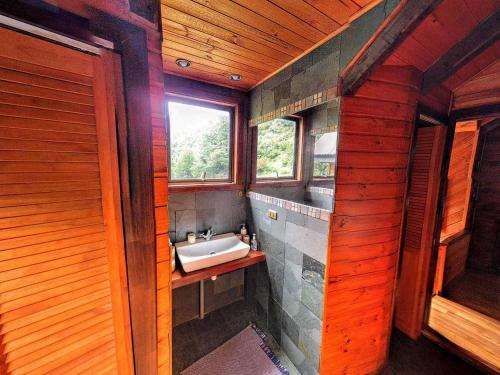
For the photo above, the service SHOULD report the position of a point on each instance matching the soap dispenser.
(243, 230)
(253, 245)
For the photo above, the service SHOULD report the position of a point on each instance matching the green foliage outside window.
(321, 169)
(276, 149)
(199, 142)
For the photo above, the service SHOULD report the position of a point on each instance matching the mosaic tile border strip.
(328, 129)
(303, 209)
(308, 102)
(320, 190)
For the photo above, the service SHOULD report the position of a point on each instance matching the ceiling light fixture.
(183, 63)
(235, 77)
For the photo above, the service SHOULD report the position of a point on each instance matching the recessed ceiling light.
(183, 63)
(235, 77)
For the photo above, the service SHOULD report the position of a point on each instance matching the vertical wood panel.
(163, 255)
(459, 181)
(484, 252)
(365, 230)
(64, 291)
(482, 89)
(110, 184)
(419, 229)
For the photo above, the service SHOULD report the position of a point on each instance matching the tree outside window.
(200, 142)
(276, 149)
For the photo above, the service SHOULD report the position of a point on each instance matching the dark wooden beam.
(485, 34)
(149, 9)
(476, 113)
(136, 174)
(404, 19)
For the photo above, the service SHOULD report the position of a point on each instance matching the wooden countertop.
(180, 278)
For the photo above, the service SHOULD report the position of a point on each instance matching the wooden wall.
(484, 251)
(470, 330)
(63, 288)
(163, 279)
(482, 89)
(425, 177)
(459, 183)
(122, 9)
(376, 127)
(456, 258)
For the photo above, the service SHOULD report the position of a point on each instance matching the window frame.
(297, 178)
(229, 183)
(322, 179)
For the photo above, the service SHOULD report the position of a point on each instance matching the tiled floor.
(196, 338)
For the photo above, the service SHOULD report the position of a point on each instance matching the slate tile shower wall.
(287, 290)
(197, 211)
(319, 70)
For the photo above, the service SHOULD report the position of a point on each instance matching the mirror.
(295, 157)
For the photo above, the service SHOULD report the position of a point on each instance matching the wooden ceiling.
(448, 24)
(253, 38)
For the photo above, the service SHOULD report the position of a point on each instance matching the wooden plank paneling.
(482, 89)
(250, 38)
(459, 183)
(481, 37)
(62, 259)
(395, 30)
(419, 229)
(365, 230)
(484, 252)
(478, 334)
(163, 253)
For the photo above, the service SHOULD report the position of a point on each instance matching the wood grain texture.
(83, 15)
(393, 32)
(459, 183)
(448, 24)
(473, 67)
(476, 333)
(482, 89)
(366, 227)
(452, 259)
(163, 254)
(480, 38)
(419, 229)
(484, 252)
(250, 38)
(180, 278)
(432, 38)
(64, 285)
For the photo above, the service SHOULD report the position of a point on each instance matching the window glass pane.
(199, 142)
(325, 155)
(276, 149)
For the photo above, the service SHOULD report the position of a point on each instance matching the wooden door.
(459, 182)
(63, 286)
(419, 229)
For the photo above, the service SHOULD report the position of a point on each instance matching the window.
(325, 155)
(277, 149)
(201, 141)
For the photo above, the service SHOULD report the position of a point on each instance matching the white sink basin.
(202, 254)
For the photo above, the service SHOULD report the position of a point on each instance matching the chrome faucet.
(209, 234)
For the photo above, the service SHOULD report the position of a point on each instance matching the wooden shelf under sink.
(180, 278)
